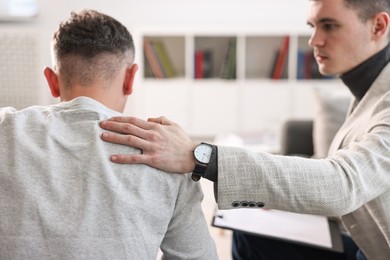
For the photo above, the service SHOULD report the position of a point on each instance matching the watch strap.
(198, 171)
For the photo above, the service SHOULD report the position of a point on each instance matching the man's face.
(341, 40)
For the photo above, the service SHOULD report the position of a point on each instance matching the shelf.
(173, 48)
(213, 56)
(209, 57)
(250, 99)
(261, 53)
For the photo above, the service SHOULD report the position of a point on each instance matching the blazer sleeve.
(188, 235)
(333, 186)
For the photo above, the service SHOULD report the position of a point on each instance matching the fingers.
(128, 140)
(123, 128)
(121, 124)
(124, 120)
(129, 159)
(161, 120)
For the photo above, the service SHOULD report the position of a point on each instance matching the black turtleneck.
(360, 78)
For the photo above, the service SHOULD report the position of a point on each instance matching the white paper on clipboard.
(302, 228)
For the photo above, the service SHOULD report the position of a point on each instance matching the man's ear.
(129, 79)
(381, 24)
(52, 81)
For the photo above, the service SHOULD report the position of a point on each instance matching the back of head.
(90, 46)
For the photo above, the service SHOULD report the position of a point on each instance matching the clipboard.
(304, 229)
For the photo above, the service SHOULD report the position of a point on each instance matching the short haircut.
(90, 46)
(368, 8)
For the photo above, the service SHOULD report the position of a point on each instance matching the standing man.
(350, 39)
(60, 195)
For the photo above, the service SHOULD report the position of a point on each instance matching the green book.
(163, 59)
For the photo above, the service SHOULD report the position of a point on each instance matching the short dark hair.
(368, 8)
(91, 45)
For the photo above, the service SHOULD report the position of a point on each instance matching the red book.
(199, 61)
(281, 59)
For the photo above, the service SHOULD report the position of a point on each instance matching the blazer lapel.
(376, 91)
(343, 131)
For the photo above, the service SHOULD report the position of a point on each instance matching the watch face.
(202, 153)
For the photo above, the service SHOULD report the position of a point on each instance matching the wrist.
(189, 163)
(201, 154)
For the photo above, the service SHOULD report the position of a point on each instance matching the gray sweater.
(62, 198)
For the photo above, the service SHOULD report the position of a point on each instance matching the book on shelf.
(163, 59)
(199, 56)
(152, 59)
(203, 63)
(274, 61)
(148, 72)
(279, 68)
(228, 69)
(157, 60)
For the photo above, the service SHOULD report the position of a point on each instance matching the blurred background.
(236, 94)
(227, 71)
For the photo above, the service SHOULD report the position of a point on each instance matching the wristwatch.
(202, 154)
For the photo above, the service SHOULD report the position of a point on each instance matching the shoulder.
(6, 111)
(171, 186)
(11, 113)
(180, 185)
(381, 109)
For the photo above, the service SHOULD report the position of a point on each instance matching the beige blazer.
(352, 182)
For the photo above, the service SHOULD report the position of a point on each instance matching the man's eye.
(330, 26)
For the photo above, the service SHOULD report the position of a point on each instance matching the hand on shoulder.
(164, 143)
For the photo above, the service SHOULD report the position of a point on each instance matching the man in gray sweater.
(60, 196)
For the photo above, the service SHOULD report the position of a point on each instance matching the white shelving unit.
(252, 102)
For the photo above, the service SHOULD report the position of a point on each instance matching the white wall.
(210, 12)
(233, 15)
(283, 16)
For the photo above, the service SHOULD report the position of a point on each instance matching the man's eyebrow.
(323, 20)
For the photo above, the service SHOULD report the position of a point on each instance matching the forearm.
(333, 187)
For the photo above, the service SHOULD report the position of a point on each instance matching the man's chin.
(327, 72)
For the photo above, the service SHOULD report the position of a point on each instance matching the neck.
(103, 95)
(360, 78)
